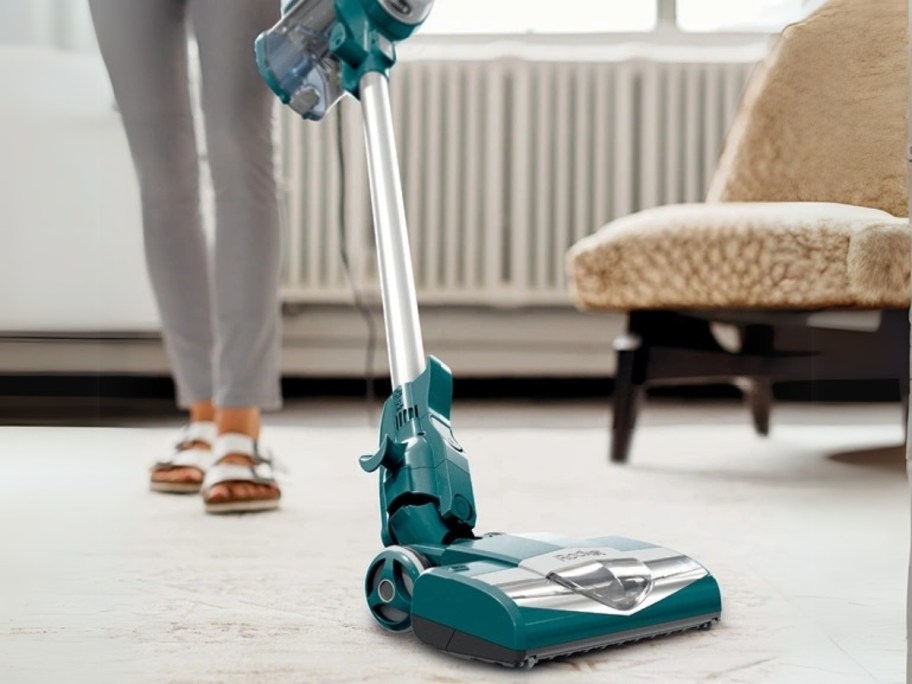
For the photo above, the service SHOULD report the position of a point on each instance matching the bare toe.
(240, 491)
(177, 475)
(219, 493)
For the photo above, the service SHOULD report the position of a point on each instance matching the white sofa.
(71, 256)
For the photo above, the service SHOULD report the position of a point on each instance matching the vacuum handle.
(397, 280)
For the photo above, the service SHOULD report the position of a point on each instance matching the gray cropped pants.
(220, 315)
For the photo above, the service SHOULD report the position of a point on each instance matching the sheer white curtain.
(63, 24)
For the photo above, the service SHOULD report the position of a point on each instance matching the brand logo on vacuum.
(578, 555)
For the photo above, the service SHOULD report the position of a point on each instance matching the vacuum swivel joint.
(425, 488)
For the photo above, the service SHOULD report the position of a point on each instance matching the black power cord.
(361, 304)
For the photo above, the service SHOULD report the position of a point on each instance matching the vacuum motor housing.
(320, 49)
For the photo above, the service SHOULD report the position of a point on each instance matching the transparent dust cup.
(294, 58)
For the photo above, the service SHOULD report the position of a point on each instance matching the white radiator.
(505, 164)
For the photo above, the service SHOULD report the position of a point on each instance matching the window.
(522, 16)
(744, 15)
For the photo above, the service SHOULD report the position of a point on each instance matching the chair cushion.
(769, 255)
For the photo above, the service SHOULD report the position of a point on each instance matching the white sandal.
(261, 472)
(185, 456)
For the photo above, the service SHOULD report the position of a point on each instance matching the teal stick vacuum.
(503, 598)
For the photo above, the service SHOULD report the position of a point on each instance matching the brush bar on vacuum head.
(463, 644)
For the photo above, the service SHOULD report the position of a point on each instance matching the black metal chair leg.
(626, 398)
(904, 396)
(760, 399)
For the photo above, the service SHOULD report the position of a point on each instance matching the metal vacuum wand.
(319, 50)
(400, 304)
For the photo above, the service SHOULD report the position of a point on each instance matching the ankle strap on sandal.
(237, 443)
(199, 431)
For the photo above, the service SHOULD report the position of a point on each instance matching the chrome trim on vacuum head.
(597, 580)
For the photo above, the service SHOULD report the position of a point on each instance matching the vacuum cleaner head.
(520, 599)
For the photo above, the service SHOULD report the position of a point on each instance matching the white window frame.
(668, 13)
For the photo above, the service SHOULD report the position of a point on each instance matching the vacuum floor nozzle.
(521, 599)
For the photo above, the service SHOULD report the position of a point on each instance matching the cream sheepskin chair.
(806, 213)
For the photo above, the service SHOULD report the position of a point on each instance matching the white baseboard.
(331, 342)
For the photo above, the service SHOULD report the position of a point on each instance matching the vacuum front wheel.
(389, 584)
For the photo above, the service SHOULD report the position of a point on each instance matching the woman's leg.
(238, 110)
(144, 45)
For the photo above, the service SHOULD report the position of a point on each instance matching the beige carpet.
(101, 581)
